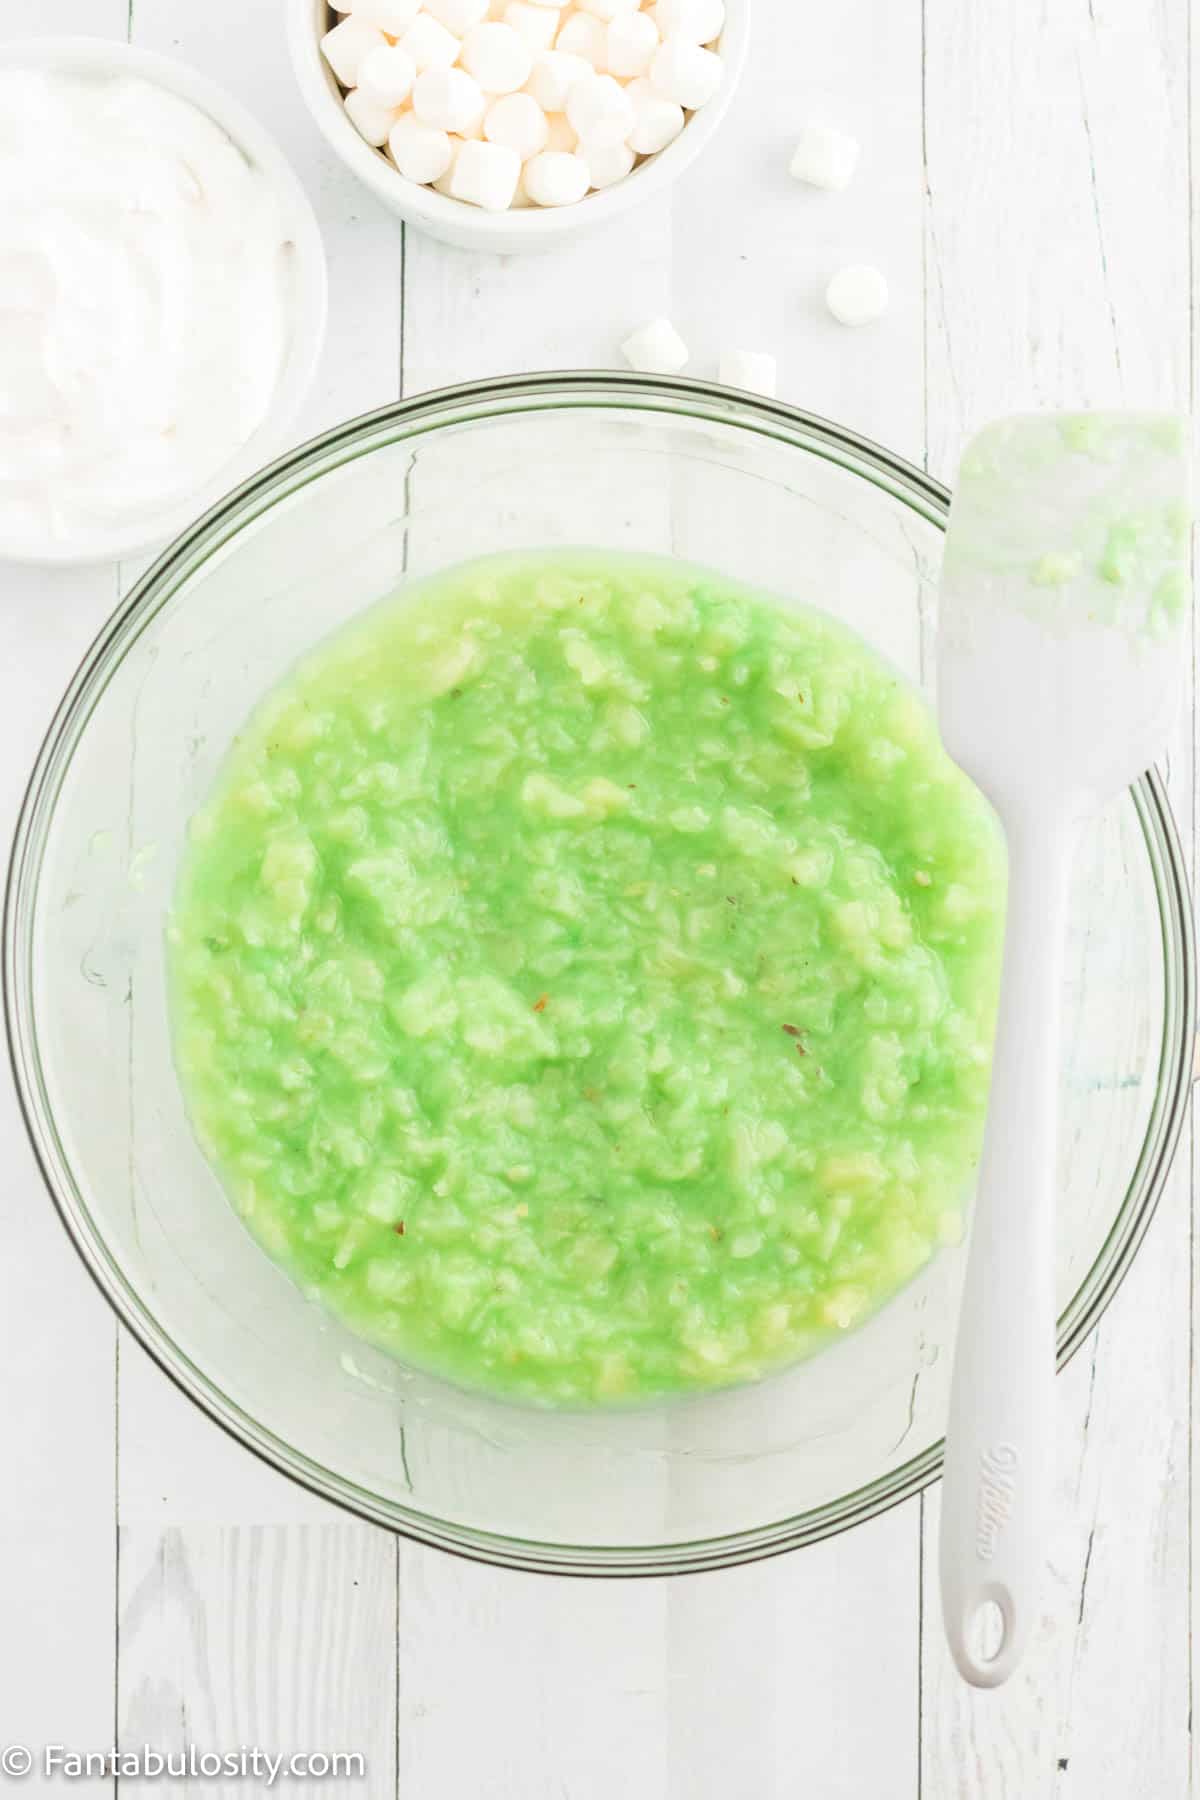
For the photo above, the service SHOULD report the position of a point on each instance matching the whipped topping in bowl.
(148, 305)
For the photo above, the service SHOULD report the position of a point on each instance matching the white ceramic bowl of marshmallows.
(162, 292)
(512, 124)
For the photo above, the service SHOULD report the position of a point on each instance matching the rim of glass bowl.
(412, 419)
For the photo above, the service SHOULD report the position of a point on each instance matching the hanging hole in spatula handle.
(988, 1639)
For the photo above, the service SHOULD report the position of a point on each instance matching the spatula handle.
(1000, 1442)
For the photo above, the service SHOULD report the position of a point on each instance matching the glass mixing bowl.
(757, 489)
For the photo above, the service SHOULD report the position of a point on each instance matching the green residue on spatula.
(1115, 477)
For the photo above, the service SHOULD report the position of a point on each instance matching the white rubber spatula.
(1065, 594)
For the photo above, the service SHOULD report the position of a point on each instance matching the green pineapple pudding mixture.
(584, 973)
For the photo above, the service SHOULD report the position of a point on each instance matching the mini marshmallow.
(447, 100)
(857, 295)
(655, 349)
(457, 16)
(556, 178)
(392, 16)
(607, 163)
(600, 110)
(536, 24)
(347, 44)
(699, 20)
(371, 120)
(656, 122)
(631, 43)
(825, 158)
(444, 181)
(518, 121)
(555, 73)
(418, 151)
(683, 72)
(498, 57)
(581, 35)
(486, 175)
(429, 44)
(609, 9)
(552, 5)
(749, 369)
(386, 75)
(559, 135)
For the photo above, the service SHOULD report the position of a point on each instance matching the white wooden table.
(1025, 184)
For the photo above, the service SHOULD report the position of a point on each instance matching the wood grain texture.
(518, 1686)
(1058, 268)
(469, 315)
(57, 1338)
(774, 1671)
(1024, 188)
(251, 1611)
(753, 250)
(280, 1638)
(783, 1659)
(718, 1658)
(1056, 240)
(175, 1466)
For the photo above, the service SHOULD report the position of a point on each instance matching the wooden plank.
(178, 1468)
(753, 249)
(711, 1657)
(1038, 242)
(1115, 1588)
(782, 1660)
(174, 1464)
(469, 315)
(57, 1337)
(776, 1669)
(1057, 217)
(250, 1610)
(96, 18)
(1058, 276)
(520, 1687)
(258, 1637)
(512, 1685)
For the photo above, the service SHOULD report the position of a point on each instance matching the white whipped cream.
(145, 303)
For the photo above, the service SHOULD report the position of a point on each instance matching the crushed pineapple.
(583, 977)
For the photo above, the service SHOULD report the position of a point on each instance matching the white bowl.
(525, 228)
(99, 56)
